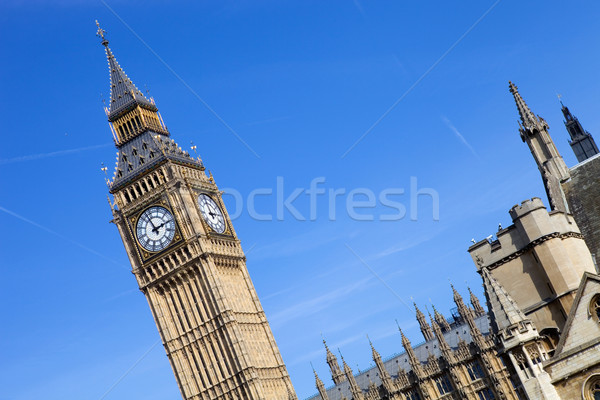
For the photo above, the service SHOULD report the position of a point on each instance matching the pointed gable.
(582, 328)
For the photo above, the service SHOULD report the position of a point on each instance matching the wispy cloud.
(33, 157)
(311, 355)
(406, 244)
(360, 8)
(423, 76)
(50, 231)
(267, 121)
(316, 304)
(300, 243)
(460, 136)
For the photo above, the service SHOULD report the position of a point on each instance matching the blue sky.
(300, 83)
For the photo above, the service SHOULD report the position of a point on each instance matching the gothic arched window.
(592, 388)
(596, 391)
(595, 307)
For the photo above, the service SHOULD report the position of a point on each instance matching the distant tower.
(581, 142)
(534, 131)
(187, 259)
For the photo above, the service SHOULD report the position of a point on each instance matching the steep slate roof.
(503, 310)
(422, 351)
(124, 95)
(145, 152)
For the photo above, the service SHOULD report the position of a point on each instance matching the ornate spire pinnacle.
(386, 379)
(467, 316)
(354, 388)
(100, 33)
(425, 328)
(439, 318)
(412, 357)
(447, 352)
(336, 372)
(554, 171)
(464, 311)
(124, 95)
(320, 386)
(479, 311)
(528, 118)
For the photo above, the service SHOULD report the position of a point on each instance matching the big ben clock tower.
(187, 259)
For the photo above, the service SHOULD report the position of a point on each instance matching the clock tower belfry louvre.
(187, 259)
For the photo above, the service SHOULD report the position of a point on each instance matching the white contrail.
(32, 157)
(460, 137)
(50, 231)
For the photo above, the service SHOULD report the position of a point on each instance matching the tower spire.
(581, 142)
(139, 133)
(528, 118)
(124, 95)
(534, 131)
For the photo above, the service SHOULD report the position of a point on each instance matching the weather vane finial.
(100, 33)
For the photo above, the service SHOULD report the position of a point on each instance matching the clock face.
(155, 228)
(211, 213)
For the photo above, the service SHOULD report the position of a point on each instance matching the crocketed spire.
(439, 318)
(415, 364)
(320, 386)
(425, 328)
(356, 391)
(384, 375)
(528, 118)
(124, 95)
(337, 375)
(479, 311)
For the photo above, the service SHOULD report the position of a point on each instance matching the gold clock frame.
(144, 254)
(210, 231)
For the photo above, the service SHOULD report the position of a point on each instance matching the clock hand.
(161, 225)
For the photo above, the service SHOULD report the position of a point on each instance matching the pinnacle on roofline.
(528, 118)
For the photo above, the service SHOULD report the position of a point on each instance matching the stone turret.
(539, 259)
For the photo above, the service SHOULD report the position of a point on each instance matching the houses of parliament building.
(538, 339)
